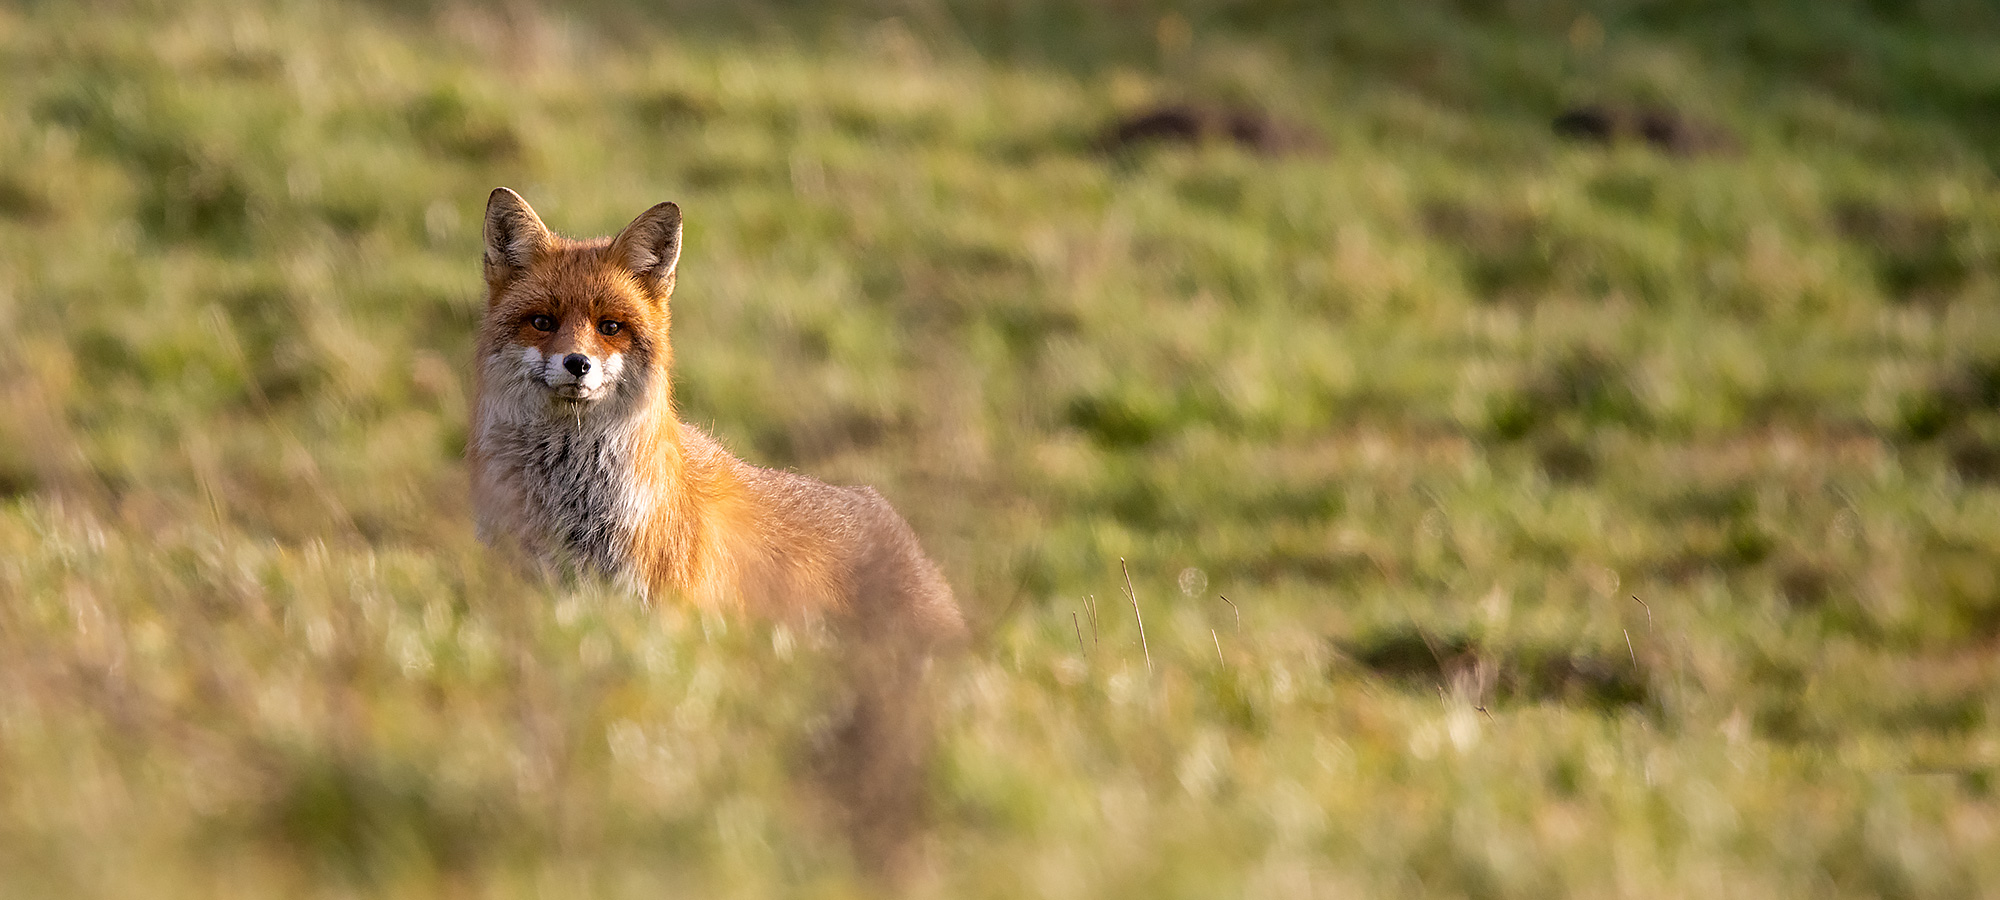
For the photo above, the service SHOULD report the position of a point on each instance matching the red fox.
(578, 457)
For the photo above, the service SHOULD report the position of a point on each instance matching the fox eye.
(542, 323)
(608, 327)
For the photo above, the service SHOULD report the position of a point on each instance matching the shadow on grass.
(1417, 660)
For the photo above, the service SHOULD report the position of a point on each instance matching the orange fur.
(603, 474)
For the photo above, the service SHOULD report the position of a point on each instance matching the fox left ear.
(651, 247)
(514, 234)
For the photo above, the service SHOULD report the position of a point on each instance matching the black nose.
(577, 364)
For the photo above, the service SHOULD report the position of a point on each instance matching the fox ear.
(513, 234)
(651, 247)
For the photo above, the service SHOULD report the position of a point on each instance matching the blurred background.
(1589, 410)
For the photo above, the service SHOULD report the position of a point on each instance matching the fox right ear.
(651, 247)
(513, 234)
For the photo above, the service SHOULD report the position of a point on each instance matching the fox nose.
(577, 364)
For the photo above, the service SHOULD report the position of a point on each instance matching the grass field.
(1603, 522)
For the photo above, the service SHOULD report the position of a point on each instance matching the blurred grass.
(1431, 407)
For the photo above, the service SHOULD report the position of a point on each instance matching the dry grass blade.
(1133, 596)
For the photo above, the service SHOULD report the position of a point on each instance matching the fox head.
(574, 325)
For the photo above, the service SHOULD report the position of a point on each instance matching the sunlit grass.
(1598, 521)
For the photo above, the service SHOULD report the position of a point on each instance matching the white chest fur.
(575, 481)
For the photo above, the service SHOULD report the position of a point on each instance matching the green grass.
(1432, 407)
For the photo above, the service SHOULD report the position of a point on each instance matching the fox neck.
(600, 486)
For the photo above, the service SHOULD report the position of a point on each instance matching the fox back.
(579, 459)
